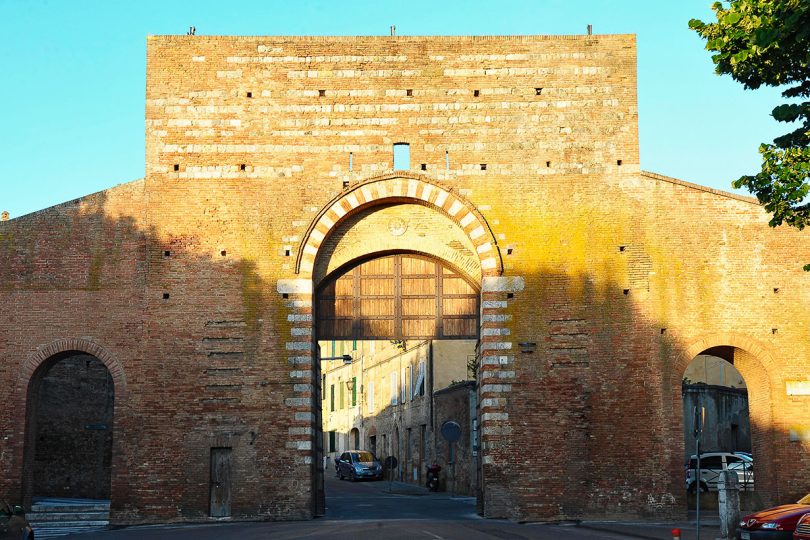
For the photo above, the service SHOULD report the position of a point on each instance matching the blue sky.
(74, 78)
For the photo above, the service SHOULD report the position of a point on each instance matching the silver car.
(713, 463)
(358, 464)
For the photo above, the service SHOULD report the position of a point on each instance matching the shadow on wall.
(594, 425)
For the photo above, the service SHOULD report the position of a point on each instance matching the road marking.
(433, 535)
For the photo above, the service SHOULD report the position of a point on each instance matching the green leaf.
(732, 18)
(696, 24)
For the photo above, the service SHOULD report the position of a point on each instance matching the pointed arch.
(408, 187)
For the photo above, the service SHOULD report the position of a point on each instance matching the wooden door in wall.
(403, 296)
(220, 482)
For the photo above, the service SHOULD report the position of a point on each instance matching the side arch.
(30, 370)
(401, 186)
(756, 363)
(42, 354)
(732, 339)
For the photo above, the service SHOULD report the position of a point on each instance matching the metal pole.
(453, 469)
(699, 417)
(697, 490)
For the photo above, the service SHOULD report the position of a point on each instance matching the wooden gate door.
(220, 482)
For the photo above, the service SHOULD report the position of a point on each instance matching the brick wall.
(599, 283)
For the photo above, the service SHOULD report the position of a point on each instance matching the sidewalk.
(709, 529)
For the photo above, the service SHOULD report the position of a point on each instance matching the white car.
(713, 463)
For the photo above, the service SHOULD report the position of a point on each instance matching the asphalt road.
(375, 511)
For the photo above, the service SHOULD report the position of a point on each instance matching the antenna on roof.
(590, 29)
(192, 30)
(393, 30)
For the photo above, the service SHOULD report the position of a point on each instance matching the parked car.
(358, 464)
(13, 525)
(802, 531)
(775, 523)
(713, 463)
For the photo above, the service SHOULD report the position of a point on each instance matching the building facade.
(587, 284)
(385, 401)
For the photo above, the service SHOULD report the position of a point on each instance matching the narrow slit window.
(447, 160)
(402, 157)
(351, 161)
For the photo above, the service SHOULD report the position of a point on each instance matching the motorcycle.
(433, 477)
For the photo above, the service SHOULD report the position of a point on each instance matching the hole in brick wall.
(663, 331)
(619, 162)
(176, 167)
(321, 93)
(776, 290)
(223, 253)
(483, 166)
(165, 296)
(774, 330)
(409, 92)
(250, 94)
(622, 248)
(508, 251)
(285, 295)
(510, 295)
(345, 184)
(423, 166)
(286, 252)
(167, 253)
(548, 164)
(626, 291)
(242, 167)
(538, 90)
(476, 93)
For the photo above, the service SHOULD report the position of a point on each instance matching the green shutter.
(354, 391)
(332, 398)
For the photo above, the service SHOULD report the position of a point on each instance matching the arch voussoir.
(409, 186)
(32, 363)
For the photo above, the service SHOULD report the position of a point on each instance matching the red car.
(802, 531)
(777, 523)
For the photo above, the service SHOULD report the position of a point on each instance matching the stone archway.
(483, 265)
(752, 360)
(398, 187)
(71, 389)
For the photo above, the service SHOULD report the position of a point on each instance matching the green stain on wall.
(253, 300)
(94, 272)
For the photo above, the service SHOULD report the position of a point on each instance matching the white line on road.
(433, 535)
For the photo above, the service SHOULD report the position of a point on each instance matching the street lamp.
(347, 358)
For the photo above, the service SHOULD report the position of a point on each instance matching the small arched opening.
(69, 428)
(726, 417)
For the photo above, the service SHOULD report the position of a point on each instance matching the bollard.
(676, 534)
(728, 497)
